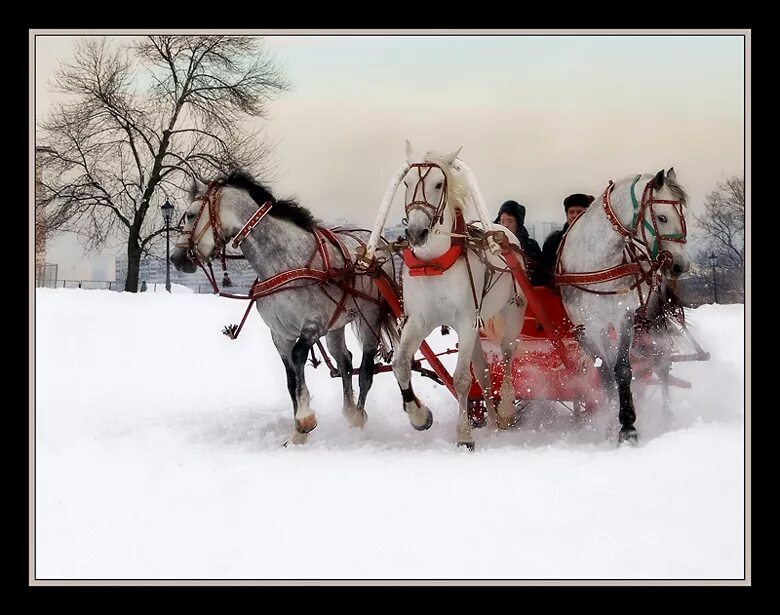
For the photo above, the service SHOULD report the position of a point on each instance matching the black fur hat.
(513, 208)
(578, 200)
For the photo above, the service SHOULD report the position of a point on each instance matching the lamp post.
(713, 262)
(167, 212)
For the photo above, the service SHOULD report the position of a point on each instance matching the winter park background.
(179, 474)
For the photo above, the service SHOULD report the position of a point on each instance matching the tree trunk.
(133, 261)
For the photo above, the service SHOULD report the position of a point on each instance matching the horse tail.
(389, 334)
(383, 331)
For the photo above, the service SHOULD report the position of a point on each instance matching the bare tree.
(723, 224)
(722, 233)
(49, 221)
(143, 116)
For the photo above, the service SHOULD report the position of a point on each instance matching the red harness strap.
(437, 266)
(276, 283)
(440, 264)
(252, 223)
(594, 277)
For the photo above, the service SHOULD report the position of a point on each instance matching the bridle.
(435, 213)
(211, 199)
(640, 226)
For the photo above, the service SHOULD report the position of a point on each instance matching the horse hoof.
(297, 438)
(469, 445)
(427, 424)
(305, 424)
(628, 435)
(356, 417)
(506, 422)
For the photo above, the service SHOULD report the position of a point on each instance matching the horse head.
(433, 190)
(197, 228)
(653, 209)
(213, 217)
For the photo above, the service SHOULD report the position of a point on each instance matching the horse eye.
(662, 219)
(438, 186)
(190, 216)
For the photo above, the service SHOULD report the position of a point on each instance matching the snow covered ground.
(158, 457)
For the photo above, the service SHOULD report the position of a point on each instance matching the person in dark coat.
(512, 215)
(574, 205)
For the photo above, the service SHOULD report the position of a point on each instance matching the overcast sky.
(538, 116)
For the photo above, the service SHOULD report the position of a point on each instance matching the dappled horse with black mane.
(306, 284)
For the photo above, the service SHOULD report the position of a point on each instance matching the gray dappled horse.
(307, 285)
(610, 260)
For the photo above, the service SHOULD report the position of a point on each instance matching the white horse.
(610, 261)
(448, 280)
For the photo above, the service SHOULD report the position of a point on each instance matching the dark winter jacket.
(549, 251)
(530, 248)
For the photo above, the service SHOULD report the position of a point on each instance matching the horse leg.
(284, 347)
(461, 379)
(366, 372)
(606, 371)
(627, 413)
(412, 336)
(513, 318)
(337, 346)
(482, 375)
(305, 419)
(663, 366)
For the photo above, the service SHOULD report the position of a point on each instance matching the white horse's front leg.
(482, 375)
(513, 315)
(412, 336)
(467, 338)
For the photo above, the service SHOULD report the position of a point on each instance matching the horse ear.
(409, 152)
(197, 187)
(450, 158)
(658, 181)
(671, 174)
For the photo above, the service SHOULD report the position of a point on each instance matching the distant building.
(540, 230)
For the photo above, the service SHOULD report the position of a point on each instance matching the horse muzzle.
(417, 236)
(678, 270)
(183, 262)
(674, 265)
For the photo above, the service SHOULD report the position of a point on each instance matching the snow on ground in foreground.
(158, 457)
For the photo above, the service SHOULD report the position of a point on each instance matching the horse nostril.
(424, 234)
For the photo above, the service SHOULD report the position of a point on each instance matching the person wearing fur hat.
(512, 215)
(574, 205)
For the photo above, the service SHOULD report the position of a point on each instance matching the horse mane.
(677, 190)
(458, 190)
(284, 209)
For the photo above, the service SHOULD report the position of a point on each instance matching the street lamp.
(713, 262)
(167, 212)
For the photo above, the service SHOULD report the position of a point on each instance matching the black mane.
(288, 210)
